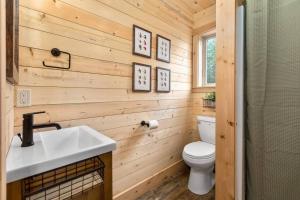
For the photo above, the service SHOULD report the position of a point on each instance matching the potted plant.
(209, 100)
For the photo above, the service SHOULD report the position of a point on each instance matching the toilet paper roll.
(153, 124)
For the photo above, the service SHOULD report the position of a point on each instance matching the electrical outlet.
(23, 97)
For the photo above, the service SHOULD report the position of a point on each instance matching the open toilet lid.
(199, 149)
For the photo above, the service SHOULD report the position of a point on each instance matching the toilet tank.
(207, 128)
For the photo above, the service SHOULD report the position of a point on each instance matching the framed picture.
(141, 78)
(163, 49)
(163, 80)
(142, 42)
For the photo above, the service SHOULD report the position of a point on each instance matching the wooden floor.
(175, 188)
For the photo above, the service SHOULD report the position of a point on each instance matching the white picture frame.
(163, 49)
(163, 80)
(142, 42)
(141, 77)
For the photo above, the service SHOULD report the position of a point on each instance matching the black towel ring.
(56, 53)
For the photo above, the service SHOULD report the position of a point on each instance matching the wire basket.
(207, 103)
(65, 182)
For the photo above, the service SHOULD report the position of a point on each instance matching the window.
(205, 62)
(209, 61)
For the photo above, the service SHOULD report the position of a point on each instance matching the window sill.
(204, 89)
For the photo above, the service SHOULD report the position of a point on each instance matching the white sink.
(53, 149)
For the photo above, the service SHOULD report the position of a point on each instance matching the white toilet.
(200, 156)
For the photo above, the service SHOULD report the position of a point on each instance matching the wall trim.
(225, 108)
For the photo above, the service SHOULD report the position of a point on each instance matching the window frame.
(198, 76)
(204, 63)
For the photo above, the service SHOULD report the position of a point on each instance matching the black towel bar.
(56, 52)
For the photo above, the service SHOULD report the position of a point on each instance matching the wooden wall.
(198, 109)
(97, 90)
(2, 94)
(226, 112)
(6, 104)
(7, 118)
(9, 114)
(204, 21)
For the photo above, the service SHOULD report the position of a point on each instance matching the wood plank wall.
(2, 94)
(198, 109)
(97, 90)
(204, 20)
(8, 125)
(9, 114)
(226, 113)
(6, 104)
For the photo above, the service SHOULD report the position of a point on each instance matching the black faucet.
(28, 127)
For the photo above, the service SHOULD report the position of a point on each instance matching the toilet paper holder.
(152, 124)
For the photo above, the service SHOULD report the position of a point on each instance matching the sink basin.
(53, 149)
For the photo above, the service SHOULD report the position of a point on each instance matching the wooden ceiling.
(198, 5)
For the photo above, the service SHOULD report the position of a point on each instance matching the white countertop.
(53, 149)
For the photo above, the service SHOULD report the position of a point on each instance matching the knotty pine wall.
(6, 104)
(203, 21)
(97, 90)
(6, 125)
(198, 109)
(9, 114)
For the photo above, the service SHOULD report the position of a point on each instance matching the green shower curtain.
(273, 100)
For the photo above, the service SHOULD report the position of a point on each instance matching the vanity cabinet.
(77, 175)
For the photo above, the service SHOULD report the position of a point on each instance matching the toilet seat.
(199, 150)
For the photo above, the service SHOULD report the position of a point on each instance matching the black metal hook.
(56, 53)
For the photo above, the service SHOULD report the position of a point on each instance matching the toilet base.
(201, 182)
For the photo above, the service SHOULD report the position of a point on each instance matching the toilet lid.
(199, 150)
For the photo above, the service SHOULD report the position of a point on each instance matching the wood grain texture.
(12, 42)
(198, 5)
(14, 190)
(225, 112)
(175, 188)
(96, 91)
(204, 18)
(2, 105)
(107, 160)
(6, 104)
(153, 181)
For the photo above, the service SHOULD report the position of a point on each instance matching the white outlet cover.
(23, 97)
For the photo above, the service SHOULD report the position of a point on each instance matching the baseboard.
(155, 180)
